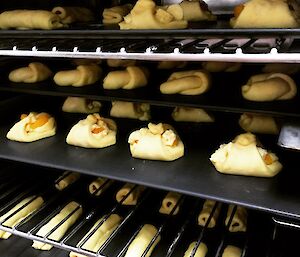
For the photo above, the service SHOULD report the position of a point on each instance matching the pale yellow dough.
(80, 105)
(191, 115)
(206, 212)
(66, 179)
(201, 251)
(195, 11)
(232, 251)
(120, 63)
(93, 132)
(132, 197)
(140, 111)
(97, 183)
(157, 142)
(239, 221)
(168, 65)
(35, 72)
(115, 14)
(286, 68)
(221, 66)
(70, 14)
(169, 203)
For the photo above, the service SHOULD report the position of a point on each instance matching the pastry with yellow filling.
(70, 14)
(206, 211)
(232, 251)
(188, 114)
(133, 197)
(169, 203)
(239, 220)
(66, 179)
(80, 105)
(221, 66)
(140, 111)
(115, 14)
(201, 250)
(97, 183)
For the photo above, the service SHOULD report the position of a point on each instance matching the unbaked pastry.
(157, 142)
(169, 65)
(191, 115)
(120, 63)
(130, 110)
(286, 68)
(32, 127)
(169, 203)
(201, 251)
(83, 75)
(239, 221)
(221, 66)
(196, 10)
(115, 14)
(93, 132)
(206, 211)
(70, 14)
(194, 82)
(80, 105)
(245, 156)
(232, 251)
(62, 229)
(133, 197)
(35, 72)
(66, 179)
(97, 183)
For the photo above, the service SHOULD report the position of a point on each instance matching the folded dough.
(201, 251)
(120, 63)
(206, 212)
(62, 229)
(168, 65)
(286, 68)
(269, 87)
(169, 203)
(133, 197)
(232, 251)
(257, 123)
(130, 110)
(35, 72)
(239, 221)
(243, 156)
(115, 14)
(157, 142)
(32, 127)
(194, 82)
(191, 115)
(93, 132)
(80, 105)
(141, 242)
(97, 183)
(70, 14)
(30, 19)
(83, 75)
(221, 66)
(130, 78)
(196, 10)
(66, 179)
(21, 214)
(84, 61)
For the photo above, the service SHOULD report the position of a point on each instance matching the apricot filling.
(97, 130)
(23, 116)
(238, 9)
(268, 159)
(41, 120)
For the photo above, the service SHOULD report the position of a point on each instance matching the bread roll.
(169, 65)
(191, 115)
(133, 197)
(115, 14)
(130, 110)
(232, 251)
(66, 179)
(239, 221)
(201, 251)
(80, 105)
(120, 63)
(70, 14)
(206, 211)
(196, 11)
(97, 183)
(169, 203)
(221, 66)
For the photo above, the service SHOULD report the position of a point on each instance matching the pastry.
(239, 220)
(245, 156)
(66, 179)
(206, 211)
(269, 87)
(81, 105)
(130, 110)
(169, 203)
(257, 123)
(194, 82)
(130, 78)
(30, 19)
(191, 115)
(196, 10)
(22, 213)
(286, 68)
(120, 63)
(221, 66)
(62, 229)
(115, 14)
(157, 142)
(201, 251)
(133, 197)
(93, 132)
(32, 127)
(232, 251)
(264, 14)
(35, 72)
(83, 75)
(81, 61)
(97, 183)
(141, 242)
(70, 14)
(168, 65)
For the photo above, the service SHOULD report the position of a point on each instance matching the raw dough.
(191, 115)
(70, 14)
(239, 221)
(130, 110)
(196, 10)
(93, 132)
(66, 179)
(97, 183)
(201, 251)
(232, 251)
(168, 65)
(120, 63)
(80, 105)
(132, 197)
(206, 211)
(157, 142)
(221, 66)
(169, 203)
(286, 68)
(115, 14)
(32, 127)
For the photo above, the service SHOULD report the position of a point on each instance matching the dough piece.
(157, 142)
(169, 203)
(97, 183)
(130, 110)
(100, 235)
(201, 251)
(115, 14)
(244, 156)
(80, 105)
(130, 78)
(269, 87)
(32, 127)
(70, 14)
(221, 66)
(206, 211)
(146, 15)
(120, 63)
(81, 61)
(239, 221)
(35, 72)
(141, 242)
(169, 65)
(66, 179)
(191, 115)
(232, 251)
(93, 132)
(29, 19)
(21, 214)
(257, 123)
(196, 11)
(62, 229)
(194, 82)
(83, 75)
(132, 197)
(286, 68)
(264, 14)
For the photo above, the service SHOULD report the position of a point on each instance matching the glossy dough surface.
(191, 115)
(140, 111)
(80, 105)
(201, 251)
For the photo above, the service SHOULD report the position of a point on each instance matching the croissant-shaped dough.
(264, 14)
(169, 202)
(146, 15)
(243, 156)
(157, 142)
(191, 115)
(168, 65)
(66, 179)
(193, 82)
(80, 105)
(93, 132)
(29, 19)
(132, 197)
(70, 14)
(201, 251)
(120, 63)
(130, 110)
(221, 66)
(97, 183)
(81, 61)
(115, 14)
(257, 123)
(206, 212)
(286, 68)
(239, 221)
(32, 127)
(232, 251)
(35, 72)
(83, 75)
(130, 78)
(196, 11)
